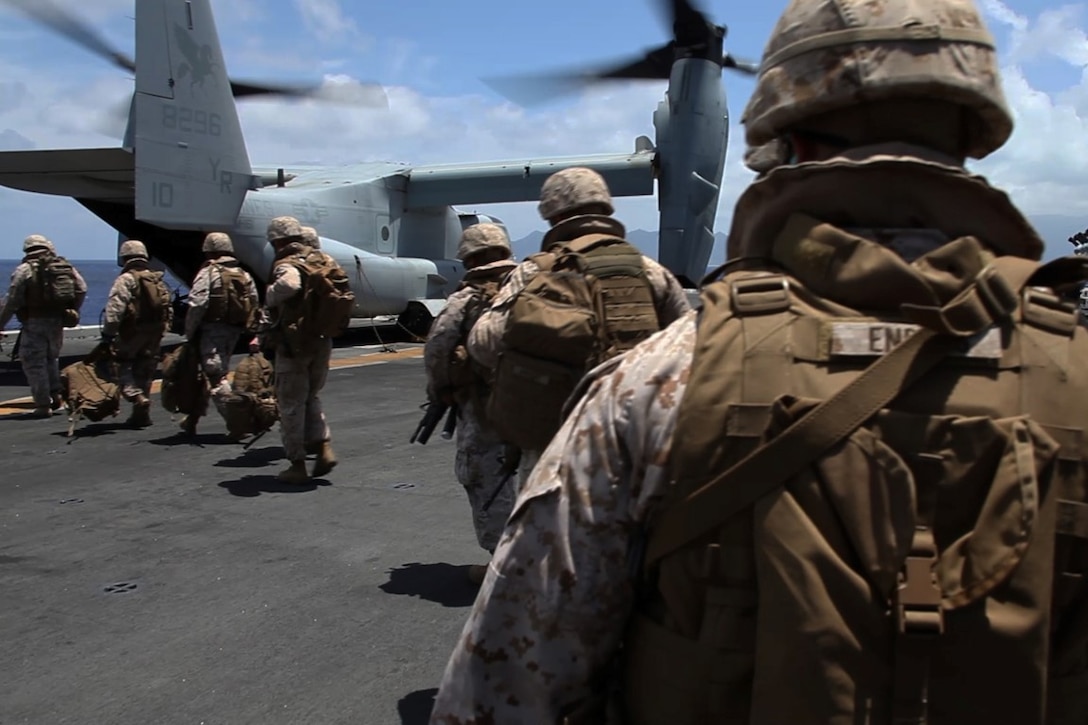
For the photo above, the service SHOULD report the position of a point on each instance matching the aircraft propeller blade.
(744, 66)
(353, 93)
(61, 21)
(694, 36)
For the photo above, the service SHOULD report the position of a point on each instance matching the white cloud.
(326, 19)
(1042, 165)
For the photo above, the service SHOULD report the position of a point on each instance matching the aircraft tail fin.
(192, 168)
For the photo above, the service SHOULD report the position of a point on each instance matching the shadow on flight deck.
(415, 707)
(253, 486)
(445, 584)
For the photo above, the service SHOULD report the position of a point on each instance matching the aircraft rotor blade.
(59, 20)
(744, 66)
(353, 93)
(71, 27)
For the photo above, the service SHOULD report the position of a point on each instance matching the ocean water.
(98, 274)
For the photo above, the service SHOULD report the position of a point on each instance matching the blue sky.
(430, 54)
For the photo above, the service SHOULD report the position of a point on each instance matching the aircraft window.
(385, 234)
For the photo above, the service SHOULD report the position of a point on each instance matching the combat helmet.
(569, 189)
(829, 55)
(310, 238)
(132, 248)
(481, 237)
(37, 242)
(284, 228)
(218, 242)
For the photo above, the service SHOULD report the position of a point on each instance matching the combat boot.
(141, 413)
(188, 424)
(326, 460)
(295, 474)
(42, 411)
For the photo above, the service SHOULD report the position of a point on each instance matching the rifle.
(433, 412)
(451, 423)
(511, 459)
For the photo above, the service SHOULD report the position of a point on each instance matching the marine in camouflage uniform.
(555, 606)
(575, 202)
(42, 331)
(300, 376)
(135, 351)
(217, 339)
(480, 464)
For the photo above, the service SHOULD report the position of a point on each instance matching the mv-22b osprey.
(183, 168)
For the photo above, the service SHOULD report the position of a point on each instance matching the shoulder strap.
(586, 242)
(991, 297)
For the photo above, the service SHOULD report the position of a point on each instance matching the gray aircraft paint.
(192, 169)
(692, 127)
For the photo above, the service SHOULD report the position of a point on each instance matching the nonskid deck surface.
(151, 578)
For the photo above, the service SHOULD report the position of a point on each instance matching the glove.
(108, 339)
(255, 345)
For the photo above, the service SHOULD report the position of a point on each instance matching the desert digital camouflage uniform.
(217, 339)
(479, 461)
(300, 376)
(135, 352)
(42, 334)
(555, 605)
(485, 340)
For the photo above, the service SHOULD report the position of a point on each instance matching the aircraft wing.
(504, 181)
(106, 174)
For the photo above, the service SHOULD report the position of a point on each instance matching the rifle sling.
(781, 458)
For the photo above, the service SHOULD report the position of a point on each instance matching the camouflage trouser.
(39, 352)
(299, 381)
(478, 467)
(528, 463)
(216, 347)
(137, 358)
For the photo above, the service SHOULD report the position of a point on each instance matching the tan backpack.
(252, 407)
(52, 291)
(324, 308)
(149, 310)
(183, 380)
(590, 301)
(850, 541)
(231, 304)
(468, 379)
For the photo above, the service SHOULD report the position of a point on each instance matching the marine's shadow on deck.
(415, 707)
(252, 486)
(445, 584)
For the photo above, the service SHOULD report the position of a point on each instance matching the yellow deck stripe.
(22, 405)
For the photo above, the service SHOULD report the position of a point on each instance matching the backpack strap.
(992, 296)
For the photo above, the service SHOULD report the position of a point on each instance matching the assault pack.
(183, 380)
(231, 304)
(901, 500)
(148, 311)
(88, 393)
(590, 302)
(252, 408)
(53, 291)
(324, 308)
(468, 380)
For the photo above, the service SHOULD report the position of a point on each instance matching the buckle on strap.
(760, 295)
(988, 299)
(918, 598)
